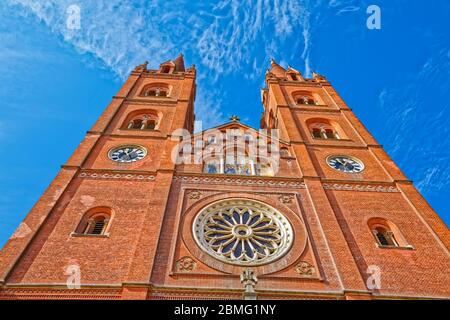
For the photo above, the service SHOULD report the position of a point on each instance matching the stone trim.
(241, 181)
(112, 175)
(360, 187)
(59, 294)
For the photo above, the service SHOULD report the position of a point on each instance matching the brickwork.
(148, 250)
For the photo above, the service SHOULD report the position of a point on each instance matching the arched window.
(331, 134)
(95, 222)
(142, 120)
(236, 164)
(317, 133)
(155, 90)
(324, 129)
(212, 167)
(386, 233)
(151, 124)
(135, 124)
(385, 237)
(96, 225)
(305, 98)
(243, 232)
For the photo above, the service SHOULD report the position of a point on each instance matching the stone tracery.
(243, 232)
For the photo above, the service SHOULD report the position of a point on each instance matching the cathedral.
(308, 206)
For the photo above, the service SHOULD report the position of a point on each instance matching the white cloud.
(344, 6)
(416, 124)
(226, 37)
(123, 35)
(208, 110)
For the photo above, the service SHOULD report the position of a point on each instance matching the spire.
(179, 63)
(276, 69)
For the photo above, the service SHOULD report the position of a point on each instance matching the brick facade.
(149, 252)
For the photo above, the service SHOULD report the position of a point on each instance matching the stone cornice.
(240, 180)
(339, 144)
(117, 175)
(277, 182)
(360, 187)
(114, 291)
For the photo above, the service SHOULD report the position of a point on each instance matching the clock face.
(345, 164)
(127, 153)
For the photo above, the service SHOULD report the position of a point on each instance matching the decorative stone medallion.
(286, 198)
(186, 264)
(194, 195)
(305, 269)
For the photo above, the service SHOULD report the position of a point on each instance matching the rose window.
(243, 232)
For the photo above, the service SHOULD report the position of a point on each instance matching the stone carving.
(249, 280)
(251, 233)
(305, 269)
(360, 187)
(241, 181)
(194, 195)
(115, 175)
(186, 264)
(286, 198)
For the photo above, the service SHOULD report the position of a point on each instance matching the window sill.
(82, 235)
(409, 247)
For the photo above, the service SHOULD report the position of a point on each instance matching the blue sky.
(57, 81)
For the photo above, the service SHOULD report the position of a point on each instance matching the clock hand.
(127, 155)
(340, 162)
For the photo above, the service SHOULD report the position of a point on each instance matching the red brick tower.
(333, 218)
